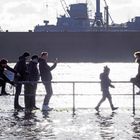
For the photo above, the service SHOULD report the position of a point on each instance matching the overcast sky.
(23, 15)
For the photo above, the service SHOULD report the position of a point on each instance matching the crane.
(65, 7)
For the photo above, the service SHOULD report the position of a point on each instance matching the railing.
(77, 82)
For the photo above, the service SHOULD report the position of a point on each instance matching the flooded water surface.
(86, 124)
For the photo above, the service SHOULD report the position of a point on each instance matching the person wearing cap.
(136, 80)
(30, 88)
(105, 84)
(46, 77)
(21, 68)
(3, 78)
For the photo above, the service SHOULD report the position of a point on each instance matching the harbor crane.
(98, 21)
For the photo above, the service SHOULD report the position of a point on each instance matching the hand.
(18, 74)
(112, 86)
(56, 60)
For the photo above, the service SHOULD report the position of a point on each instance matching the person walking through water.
(46, 77)
(21, 68)
(136, 80)
(3, 78)
(105, 84)
(30, 88)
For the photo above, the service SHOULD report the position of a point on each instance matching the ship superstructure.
(76, 19)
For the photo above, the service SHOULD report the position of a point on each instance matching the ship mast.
(98, 16)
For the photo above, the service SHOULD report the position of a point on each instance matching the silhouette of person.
(105, 84)
(30, 88)
(21, 68)
(136, 80)
(46, 77)
(3, 78)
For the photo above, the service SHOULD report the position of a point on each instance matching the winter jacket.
(105, 81)
(21, 68)
(45, 70)
(33, 71)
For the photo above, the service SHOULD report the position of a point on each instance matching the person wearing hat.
(3, 78)
(105, 84)
(30, 88)
(136, 80)
(21, 68)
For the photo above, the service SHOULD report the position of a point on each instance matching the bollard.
(133, 99)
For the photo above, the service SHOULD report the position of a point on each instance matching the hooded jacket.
(21, 68)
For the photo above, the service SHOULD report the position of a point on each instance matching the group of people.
(28, 74)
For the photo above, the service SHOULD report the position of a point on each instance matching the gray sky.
(22, 15)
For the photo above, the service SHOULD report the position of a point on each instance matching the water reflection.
(29, 125)
(136, 128)
(106, 125)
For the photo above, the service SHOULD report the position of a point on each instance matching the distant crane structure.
(65, 7)
(98, 21)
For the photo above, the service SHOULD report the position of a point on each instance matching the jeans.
(49, 92)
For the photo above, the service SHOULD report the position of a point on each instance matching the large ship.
(77, 38)
(77, 19)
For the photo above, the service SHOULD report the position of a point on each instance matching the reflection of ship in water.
(76, 19)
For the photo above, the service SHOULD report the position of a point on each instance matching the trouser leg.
(49, 93)
(3, 87)
(110, 100)
(28, 96)
(34, 87)
(101, 101)
(16, 99)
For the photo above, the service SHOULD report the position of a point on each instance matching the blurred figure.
(46, 77)
(136, 80)
(105, 84)
(21, 68)
(30, 88)
(3, 78)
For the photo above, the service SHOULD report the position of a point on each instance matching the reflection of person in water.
(106, 123)
(105, 84)
(136, 80)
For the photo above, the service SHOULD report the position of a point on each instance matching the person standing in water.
(105, 84)
(46, 77)
(30, 88)
(21, 68)
(136, 80)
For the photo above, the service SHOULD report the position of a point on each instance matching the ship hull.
(72, 46)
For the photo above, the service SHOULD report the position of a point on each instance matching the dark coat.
(33, 71)
(21, 68)
(2, 75)
(105, 81)
(138, 74)
(45, 70)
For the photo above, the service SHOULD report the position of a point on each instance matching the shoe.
(46, 108)
(4, 93)
(35, 108)
(97, 109)
(114, 108)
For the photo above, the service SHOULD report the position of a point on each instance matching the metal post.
(133, 99)
(73, 98)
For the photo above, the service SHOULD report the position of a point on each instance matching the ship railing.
(86, 82)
